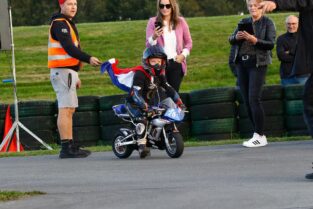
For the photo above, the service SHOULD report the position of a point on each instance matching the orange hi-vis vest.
(57, 56)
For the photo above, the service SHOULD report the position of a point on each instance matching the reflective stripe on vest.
(57, 56)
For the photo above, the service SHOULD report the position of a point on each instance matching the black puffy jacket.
(266, 33)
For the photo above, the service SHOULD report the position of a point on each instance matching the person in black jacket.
(252, 58)
(286, 50)
(232, 61)
(150, 88)
(303, 63)
(64, 61)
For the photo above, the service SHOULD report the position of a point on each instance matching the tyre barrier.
(273, 92)
(35, 108)
(294, 107)
(294, 92)
(273, 126)
(212, 95)
(87, 135)
(271, 107)
(107, 102)
(214, 113)
(42, 126)
(88, 103)
(214, 126)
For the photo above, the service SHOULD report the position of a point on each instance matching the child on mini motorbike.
(150, 88)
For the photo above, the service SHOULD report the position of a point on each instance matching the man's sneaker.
(74, 151)
(256, 141)
(77, 148)
(143, 151)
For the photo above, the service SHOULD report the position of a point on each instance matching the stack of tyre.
(294, 121)
(39, 118)
(3, 108)
(184, 126)
(86, 126)
(109, 123)
(213, 113)
(274, 113)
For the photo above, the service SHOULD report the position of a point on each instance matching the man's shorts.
(64, 83)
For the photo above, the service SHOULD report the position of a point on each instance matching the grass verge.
(189, 143)
(14, 195)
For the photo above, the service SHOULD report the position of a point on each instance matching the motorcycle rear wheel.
(176, 143)
(121, 151)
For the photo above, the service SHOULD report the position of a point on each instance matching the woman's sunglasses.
(168, 6)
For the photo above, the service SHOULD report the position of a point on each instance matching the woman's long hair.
(174, 15)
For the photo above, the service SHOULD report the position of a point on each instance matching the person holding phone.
(170, 30)
(304, 50)
(252, 59)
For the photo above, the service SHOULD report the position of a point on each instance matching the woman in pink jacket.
(169, 30)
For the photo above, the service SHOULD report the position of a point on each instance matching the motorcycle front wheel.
(121, 151)
(176, 145)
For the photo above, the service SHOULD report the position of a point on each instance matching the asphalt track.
(219, 177)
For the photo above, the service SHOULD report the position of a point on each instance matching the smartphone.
(248, 27)
(158, 24)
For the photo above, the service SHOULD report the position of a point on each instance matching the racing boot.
(143, 150)
(309, 176)
(70, 150)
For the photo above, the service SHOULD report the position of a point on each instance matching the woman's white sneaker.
(256, 141)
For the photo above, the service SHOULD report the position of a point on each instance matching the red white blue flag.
(122, 78)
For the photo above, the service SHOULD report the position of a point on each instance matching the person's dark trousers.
(308, 104)
(174, 74)
(251, 81)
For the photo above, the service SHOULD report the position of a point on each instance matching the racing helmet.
(155, 51)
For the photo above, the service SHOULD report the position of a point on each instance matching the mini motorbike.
(159, 129)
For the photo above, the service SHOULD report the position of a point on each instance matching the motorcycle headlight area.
(140, 128)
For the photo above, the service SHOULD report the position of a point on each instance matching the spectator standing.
(252, 59)
(303, 63)
(170, 30)
(64, 61)
(286, 50)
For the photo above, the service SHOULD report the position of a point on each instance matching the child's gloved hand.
(180, 104)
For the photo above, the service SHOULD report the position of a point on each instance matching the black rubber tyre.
(30, 143)
(87, 135)
(39, 122)
(108, 117)
(176, 143)
(88, 103)
(293, 92)
(271, 123)
(86, 119)
(3, 110)
(184, 129)
(215, 126)
(35, 108)
(213, 137)
(107, 102)
(212, 95)
(294, 107)
(303, 132)
(271, 108)
(212, 111)
(295, 122)
(273, 92)
(185, 98)
(121, 151)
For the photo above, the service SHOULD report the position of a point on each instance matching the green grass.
(14, 195)
(189, 143)
(207, 65)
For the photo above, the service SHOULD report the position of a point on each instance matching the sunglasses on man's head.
(162, 6)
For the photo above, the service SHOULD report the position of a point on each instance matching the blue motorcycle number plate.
(174, 114)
